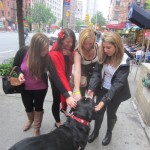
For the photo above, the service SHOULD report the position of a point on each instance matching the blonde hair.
(114, 39)
(35, 62)
(85, 34)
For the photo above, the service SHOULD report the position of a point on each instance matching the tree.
(78, 23)
(20, 23)
(65, 24)
(100, 19)
(40, 14)
(148, 4)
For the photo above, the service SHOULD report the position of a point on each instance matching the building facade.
(118, 13)
(8, 11)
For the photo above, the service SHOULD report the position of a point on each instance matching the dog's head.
(85, 109)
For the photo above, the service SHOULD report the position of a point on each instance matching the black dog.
(72, 135)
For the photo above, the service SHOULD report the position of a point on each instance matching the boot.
(111, 123)
(95, 133)
(28, 124)
(38, 116)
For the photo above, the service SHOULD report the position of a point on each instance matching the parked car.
(53, 37)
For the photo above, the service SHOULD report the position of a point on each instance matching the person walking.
(26, 32)
(31, 66)
(111, 72)
(85, 58)
(61, 62)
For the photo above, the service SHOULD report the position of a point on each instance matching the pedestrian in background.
(62, 61)
(85, 58)
(111, 72)
(31, 65)
(26, 32)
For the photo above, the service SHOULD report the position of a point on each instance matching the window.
(3, 13)
(8, 14)
(118, 2)
(116, 14)
(8, 4)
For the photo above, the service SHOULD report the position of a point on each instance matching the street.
(128, 133)
(9, 44)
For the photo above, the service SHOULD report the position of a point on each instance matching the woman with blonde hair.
(31, 65)
(85, 58)
(110, 81)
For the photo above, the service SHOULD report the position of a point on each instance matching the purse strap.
(12, 70)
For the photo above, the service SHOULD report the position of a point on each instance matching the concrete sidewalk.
(130, 133)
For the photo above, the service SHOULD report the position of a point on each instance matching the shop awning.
(115, 26)
(54, 27)
(139, 16)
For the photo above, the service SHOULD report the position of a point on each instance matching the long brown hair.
(66, 32)
(36, 62)
(114, 39)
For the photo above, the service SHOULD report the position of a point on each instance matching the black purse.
(12, 85)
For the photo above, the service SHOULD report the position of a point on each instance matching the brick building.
(118, 13)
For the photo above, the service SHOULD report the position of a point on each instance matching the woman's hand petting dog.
(71, 102)
(99, 106)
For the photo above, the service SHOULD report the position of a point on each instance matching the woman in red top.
(62, 61)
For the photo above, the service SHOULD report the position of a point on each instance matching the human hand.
(90, 93)
(77, 96)
(66, 52)
(21, 77)
(99, 106)
(71, 102)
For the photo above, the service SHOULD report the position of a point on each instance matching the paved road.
(128, 133)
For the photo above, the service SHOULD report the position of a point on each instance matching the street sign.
(67, 3)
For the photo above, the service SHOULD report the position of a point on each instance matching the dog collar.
(82, 121)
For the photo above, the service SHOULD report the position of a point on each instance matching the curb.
(144, 126)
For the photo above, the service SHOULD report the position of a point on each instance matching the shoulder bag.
(12, 85)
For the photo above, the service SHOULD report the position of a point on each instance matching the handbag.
(83, 82)
(12, 85)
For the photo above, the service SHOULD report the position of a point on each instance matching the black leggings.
(111, 107)
(56, 102)
(33, 99)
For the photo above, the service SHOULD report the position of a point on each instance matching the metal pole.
(62, 15)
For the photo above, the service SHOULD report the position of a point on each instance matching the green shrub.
(6, 67)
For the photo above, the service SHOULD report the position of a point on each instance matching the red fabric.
(59, 62)
(116, 26)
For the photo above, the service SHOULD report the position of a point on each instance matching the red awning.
(115, 26)
(54, 27)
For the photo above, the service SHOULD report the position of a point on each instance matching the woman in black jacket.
(32, 67)
(109, 82)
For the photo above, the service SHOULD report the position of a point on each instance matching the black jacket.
(119, 90)
(18, 61)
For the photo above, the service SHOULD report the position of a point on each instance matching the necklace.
(89, 55)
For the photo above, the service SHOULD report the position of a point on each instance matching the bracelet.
(76, 92)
